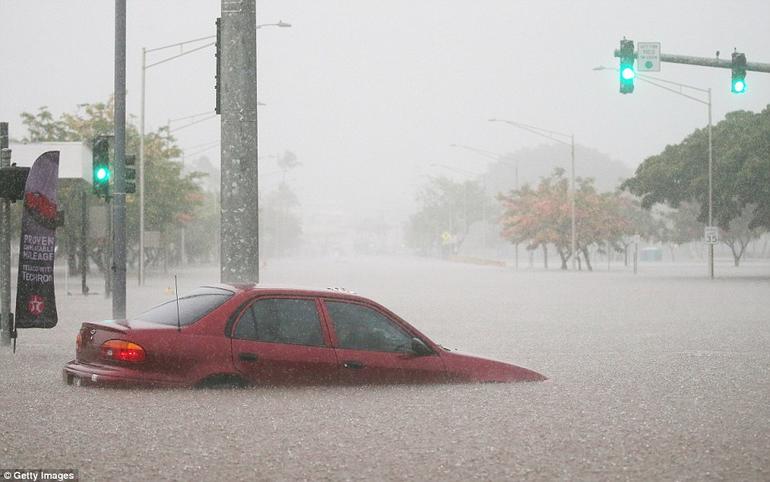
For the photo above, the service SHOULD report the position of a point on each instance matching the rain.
(474, 167)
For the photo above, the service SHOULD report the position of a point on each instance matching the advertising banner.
(35, 297)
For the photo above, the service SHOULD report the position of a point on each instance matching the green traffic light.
(102, 174)
(739, 87)
(627, 73)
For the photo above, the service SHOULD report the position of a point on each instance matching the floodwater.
(662, 375)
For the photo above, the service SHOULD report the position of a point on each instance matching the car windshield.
(192, 307)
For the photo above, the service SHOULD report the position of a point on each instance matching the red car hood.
(471, 368)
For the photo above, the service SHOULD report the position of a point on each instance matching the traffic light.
(130, 174)
(627, 70)
(738, 84)
(101, 167)
(13, 180)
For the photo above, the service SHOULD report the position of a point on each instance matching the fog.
(365, 91)
(380, 172)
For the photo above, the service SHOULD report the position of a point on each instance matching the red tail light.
(121, 350)
(78, 343)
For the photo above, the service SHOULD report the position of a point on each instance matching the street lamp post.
(654, 81)
(557, 137)
(140, 173)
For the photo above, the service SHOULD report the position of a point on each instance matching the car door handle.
(356, 365)
(248, 357)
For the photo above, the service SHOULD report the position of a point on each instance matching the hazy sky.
(369, 93)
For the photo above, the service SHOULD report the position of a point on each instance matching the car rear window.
(192, 307)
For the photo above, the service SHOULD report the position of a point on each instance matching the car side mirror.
(419, 348)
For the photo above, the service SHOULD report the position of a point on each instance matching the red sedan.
(251, 334)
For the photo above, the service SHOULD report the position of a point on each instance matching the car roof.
(334, 292)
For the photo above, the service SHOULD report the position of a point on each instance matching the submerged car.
(258, 335)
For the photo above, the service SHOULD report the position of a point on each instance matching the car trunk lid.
(93, 334)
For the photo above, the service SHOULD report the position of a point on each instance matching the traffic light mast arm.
(708, 62)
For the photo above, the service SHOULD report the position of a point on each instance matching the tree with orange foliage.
(541, 216)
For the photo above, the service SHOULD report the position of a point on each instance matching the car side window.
(359, 327)
(247, 326)
(281, 320)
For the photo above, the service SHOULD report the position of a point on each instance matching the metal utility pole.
(119, 168)
(572, 201)
(239, 251)
(83, 241)
(140, 170)
(5, 246)
(711, 207)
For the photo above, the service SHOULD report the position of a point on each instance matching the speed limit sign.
(711, 235)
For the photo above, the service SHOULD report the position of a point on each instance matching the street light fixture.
(654, 81)
(557, 137)
(280, 23)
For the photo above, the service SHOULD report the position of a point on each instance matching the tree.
(447, 211)
(739, 233)
(280, 226)
(543, 216)
(679, 226)
(741, 171)
(539, 217)
(171, 198)
(639, 221)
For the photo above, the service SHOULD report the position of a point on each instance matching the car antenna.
(178, 319)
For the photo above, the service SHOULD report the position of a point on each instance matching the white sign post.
(648, 56)
(711, 235)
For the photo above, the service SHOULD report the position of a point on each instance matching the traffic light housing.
(100, 166)
(738, 84)
(130, 174)
(13, 180)
(627, 70)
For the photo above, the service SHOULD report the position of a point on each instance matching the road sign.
(648, 56)
(711, 235)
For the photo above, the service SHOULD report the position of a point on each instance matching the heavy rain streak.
(434, 240)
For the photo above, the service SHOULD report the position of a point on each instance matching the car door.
(281, 340)
(373, 347)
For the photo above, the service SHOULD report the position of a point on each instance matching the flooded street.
(663, 375)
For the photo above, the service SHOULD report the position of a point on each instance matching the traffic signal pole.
(5, 247)
(118, 270)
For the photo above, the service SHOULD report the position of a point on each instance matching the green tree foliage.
(739, 233)
(447, 210)
(172, 198)
(741, 171)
